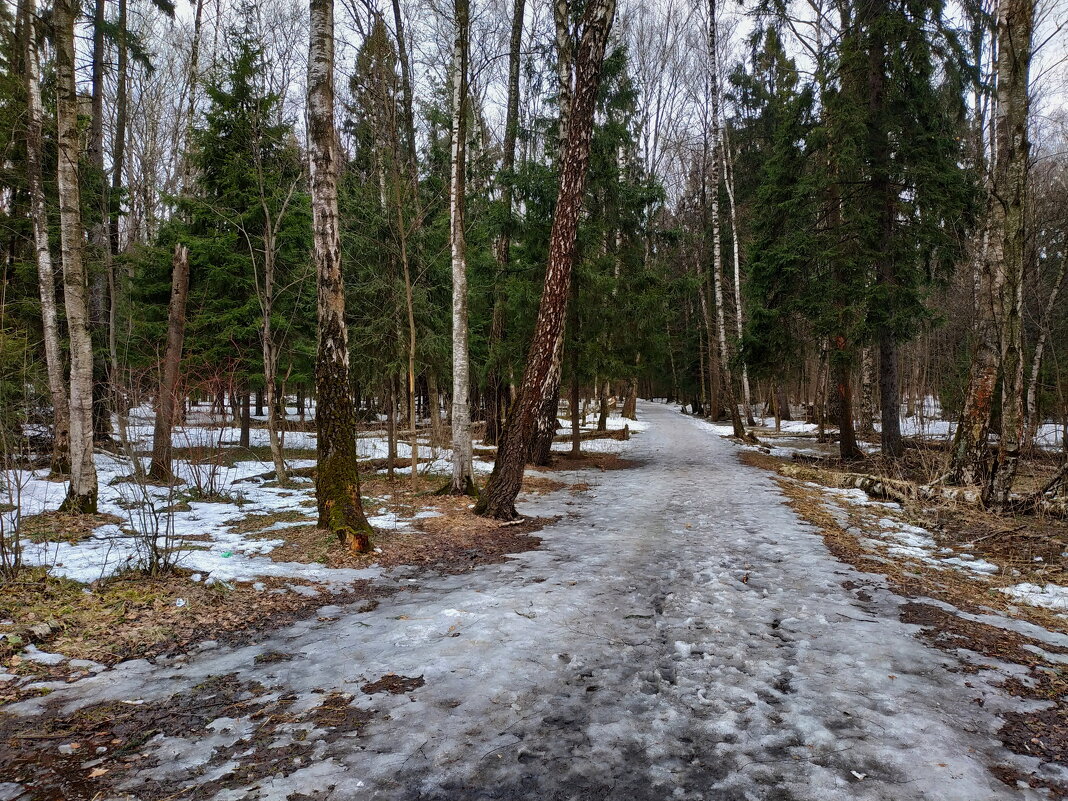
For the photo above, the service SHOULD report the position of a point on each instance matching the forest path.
(680, 634)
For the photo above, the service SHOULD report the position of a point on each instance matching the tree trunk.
(495, 402)
(100, 237)
(168, 403)
(45, 273)
(1036, 359)
(1015, 23)
(843, 387)
(867, 392)
(540, 381)
(169, 396)
(245, 438)
(728, 182)
(573, 402)
(462, 471)
(541, 449)
(602, 417)
(82, 491)
(717, 253)
(337, 482)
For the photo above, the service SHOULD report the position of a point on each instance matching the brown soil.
(103, 741)
(392, 683)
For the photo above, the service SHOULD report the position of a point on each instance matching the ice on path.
(682, 635)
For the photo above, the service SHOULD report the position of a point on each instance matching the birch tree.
(717, 251)
(46, 278)
(337, 482)
(82, 491)
(1015, 26)
(462, 479)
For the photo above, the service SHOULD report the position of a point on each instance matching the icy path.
(683, 635)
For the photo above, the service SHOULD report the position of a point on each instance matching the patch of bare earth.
(89, 754)
(133, 616)
(1010, 543)
(454, 541)
(63, 527)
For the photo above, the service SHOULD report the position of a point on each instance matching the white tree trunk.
(82, 492)
(728, 182)
(45, 273)
(462, 477)
(717, 251)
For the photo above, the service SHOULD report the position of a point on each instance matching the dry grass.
(62, 527)
(133, 615)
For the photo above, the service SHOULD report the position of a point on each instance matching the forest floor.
(693, 625)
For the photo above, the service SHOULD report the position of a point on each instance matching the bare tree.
(462, 479)
(337, 481)
(82, 492)
(1015, 25)
(540, 381)
(717, 252)
(167, 403)
(45, 274)
(502, 246)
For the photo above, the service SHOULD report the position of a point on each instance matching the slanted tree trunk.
(337, 482)
(463, 482)
(1015, 24)
(540, 381)
(82, 491)
(45, 273)
(169, 403)
(717, 252)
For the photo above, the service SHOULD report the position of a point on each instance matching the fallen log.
(364, 465)
(893, 489)
(618, 433)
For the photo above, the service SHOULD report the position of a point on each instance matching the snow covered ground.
(200, 529)
(680, 634)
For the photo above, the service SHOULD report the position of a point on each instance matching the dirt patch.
(89, 754)
(62, 527)
(393, 683)
(133, 616)
(257, 522)
(455, 540)
(76, 757)
(949, 632)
